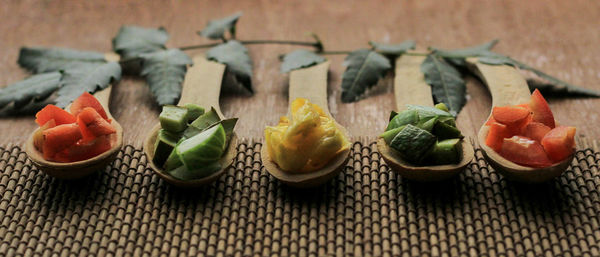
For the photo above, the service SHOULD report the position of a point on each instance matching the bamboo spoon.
(410, 88)
(202, 86)
(508, 87)
(80, 169)
(309, 83)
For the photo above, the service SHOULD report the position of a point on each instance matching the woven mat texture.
(366, 210)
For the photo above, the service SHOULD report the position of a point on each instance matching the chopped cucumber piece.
(390, 134)
(201, 123)
(392, 115)
(173, 118)
(413, 143)
(448, 120)
(194, 111)
(448, 151)
(229, 125)
(403, 118)
(444, 131)
(184, 173)
(428, 124)
(426, 112)
(203, 148)
(165, 143)
(173, 161)
(442, 106)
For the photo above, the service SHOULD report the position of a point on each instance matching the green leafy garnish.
(215, 29)
(164, 72)
(235, 56)
(555, 90)
(446, 83)
(38, 59)
(132, 41)
(365, 68)
(87, 78)
(393, 49)
(300, 59)
(32, 89)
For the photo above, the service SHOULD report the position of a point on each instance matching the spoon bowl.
(409, 78)
(308, 179)
(225, 162)
(79, 169)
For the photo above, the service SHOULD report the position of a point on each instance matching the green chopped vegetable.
(201, 123)
(445, 131)
(390, 134)
(413, 143)
(173, 161)
(202, 149)
(442, 106)
(165, 142)
(448, 151)
(173, 118)
(194, 111)
(428, 124)
(184, 173)
(403, 118)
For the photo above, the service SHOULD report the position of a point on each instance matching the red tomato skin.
(540, 110)
(535, 131)
(87, 100)
(559, 142)
(83, 150)
(525, 151)
(50, 112)
(59, 138)
(92, 125)
(496, 135)
(38, 137)
(509, 115)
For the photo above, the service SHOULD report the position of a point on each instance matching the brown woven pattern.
(367, 210)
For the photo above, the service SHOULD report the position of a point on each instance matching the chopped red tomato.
(59, 138)
(53, 112)
(524, 151)
(540, 110)
(83, 150)
(536, 131)
(87, 100)
(559, 142)
(92, 125)
(496, 136)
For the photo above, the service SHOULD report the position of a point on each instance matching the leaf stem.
(334, 52)
(256, 42)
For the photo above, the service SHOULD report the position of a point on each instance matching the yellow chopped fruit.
(307, 140)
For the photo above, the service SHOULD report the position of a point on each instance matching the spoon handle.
(202, 84)
(310, 83)
(505, 83)
(409, 83)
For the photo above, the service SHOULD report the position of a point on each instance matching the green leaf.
(39, 60)
(235, 56)
(393, 49)
(215, 29)
(553, 90)
(457, 56)
(132, 41)
(164, 72)
(300, 59)
(446, 83)
(30, 90)
(86, 78)
(365, 68)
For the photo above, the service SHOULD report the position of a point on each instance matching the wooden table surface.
(560, 37)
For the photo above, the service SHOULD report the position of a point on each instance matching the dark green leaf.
(553, 90)
(446, 83)
(39, 60)
(235, 56)
(215, 29)
(393, 49)
(86, 78)
(164, 72)
(457, 56)
(33, 89)
(132, 41)
(300, 59)
(365, 68)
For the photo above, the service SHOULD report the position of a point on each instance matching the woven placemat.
(366, 210)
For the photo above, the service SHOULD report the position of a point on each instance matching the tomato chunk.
(83, 150)
(87, 100)
(53, 112)
(510, 115)
(524, 151)
(38, 136)
(496, 136)
(92, 125)
(59, 138)
(559, 142)
(540, 110)
(536, 131)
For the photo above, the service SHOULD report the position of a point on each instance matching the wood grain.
(559, 37)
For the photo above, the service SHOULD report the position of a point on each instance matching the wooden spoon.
(80, 169)
(410, 88)
(202, 86)
(508, 87)
(309, 83)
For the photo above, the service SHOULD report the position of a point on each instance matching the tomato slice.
(87, 100)
(38, 136)
(559, 142)
(524, 151)
(496, 136)
(536, 131)
(83, 150)
(59, 138)
(540, 110)
(92, 125)
(53, 112)
(510, 115)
